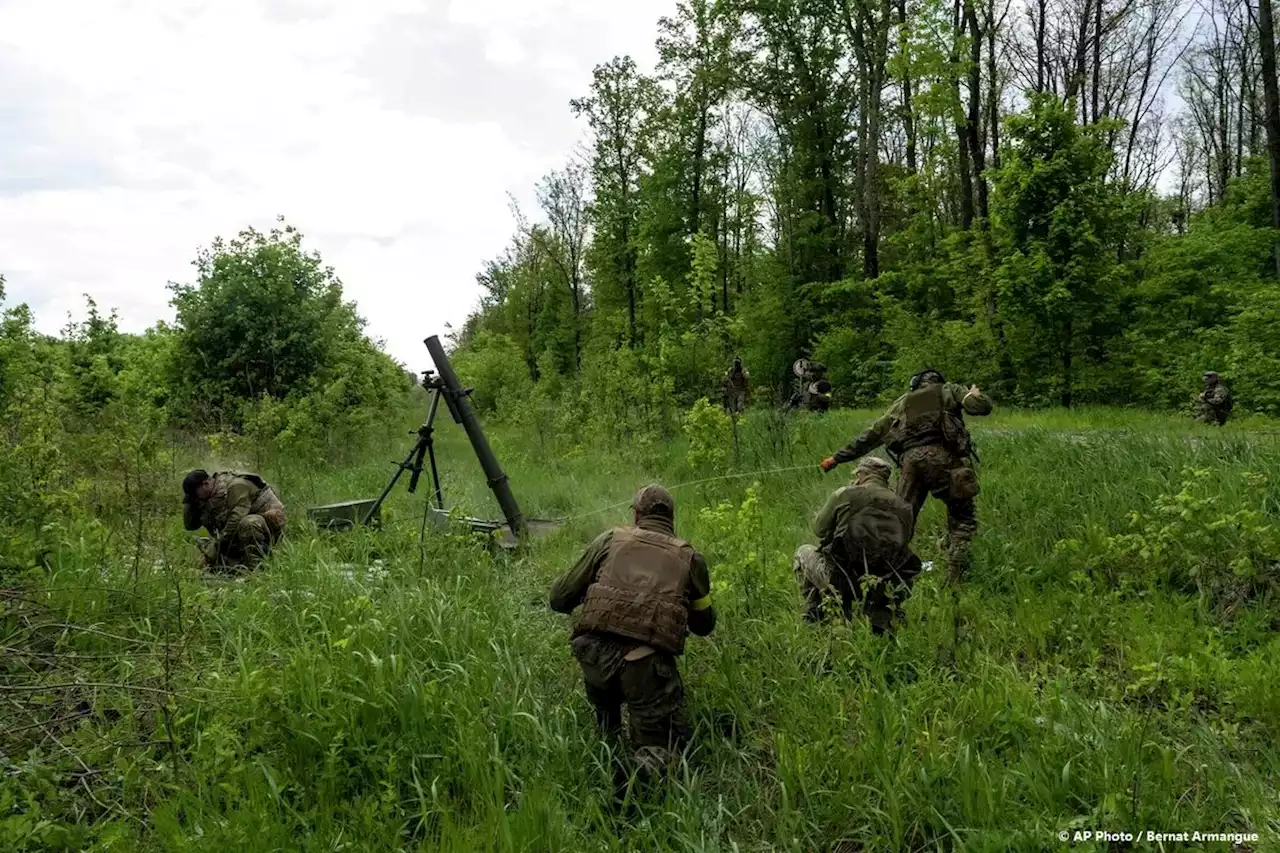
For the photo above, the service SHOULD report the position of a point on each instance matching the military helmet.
(919, 378)
(654, 498)
(1211, 374)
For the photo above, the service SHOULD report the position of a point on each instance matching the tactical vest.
(264, 502)
(921, 421)
(925, 421)
(640, 590)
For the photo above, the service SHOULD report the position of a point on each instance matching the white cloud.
(389, 132)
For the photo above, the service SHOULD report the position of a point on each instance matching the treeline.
(265, 361)
(999, 188)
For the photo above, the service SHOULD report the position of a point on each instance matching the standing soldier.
(1215, 400)
(240, 511)
(863, 552)
(924, 431)
(736, 388)
(642, 590)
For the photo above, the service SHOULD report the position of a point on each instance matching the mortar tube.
(488, 461)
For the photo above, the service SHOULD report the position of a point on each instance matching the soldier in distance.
(1215, 400)
(736, 388)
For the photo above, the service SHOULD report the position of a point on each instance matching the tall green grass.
(363, 693)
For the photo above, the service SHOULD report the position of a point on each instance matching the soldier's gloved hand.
(827, 464)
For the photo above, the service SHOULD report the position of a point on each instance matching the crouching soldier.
(642, 590)
(241, 512)
(863, 554)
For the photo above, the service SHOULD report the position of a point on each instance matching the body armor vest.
(922, 420)
(640, 590)
(265, 502)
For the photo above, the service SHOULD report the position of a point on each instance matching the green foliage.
(266, 318)
(710, 434)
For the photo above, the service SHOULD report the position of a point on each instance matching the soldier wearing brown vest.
(642, 590)
(241, 512)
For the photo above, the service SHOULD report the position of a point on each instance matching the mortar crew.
(818, 394)
(863, 554)
(736, 388)
(241, 512)
(925, 433)
(642, 590)
(1215, 400)
(815, 392)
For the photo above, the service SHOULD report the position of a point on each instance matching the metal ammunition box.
(345, 515)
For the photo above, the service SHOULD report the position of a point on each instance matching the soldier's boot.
(962, 526)
(958, 559)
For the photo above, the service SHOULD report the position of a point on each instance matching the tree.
(1056, 218)
(263, 318)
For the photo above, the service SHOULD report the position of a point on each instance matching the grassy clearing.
(362, 694)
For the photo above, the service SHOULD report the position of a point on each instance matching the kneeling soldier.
(242, 513)
(642, 590)
(864, 532)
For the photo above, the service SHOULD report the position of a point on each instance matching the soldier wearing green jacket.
(642, 590)
(241, 512)
(925, 433)
(863, 554)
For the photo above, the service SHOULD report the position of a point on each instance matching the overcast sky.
(132, 132)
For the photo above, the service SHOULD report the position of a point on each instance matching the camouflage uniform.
(1215, 401)
(242, 514)
(642, 591)
(924, 431)
(863, 531)
(736, 389)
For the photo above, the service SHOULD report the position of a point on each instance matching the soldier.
(1215, 400)
(736, 388)
(925, 433)
(863, 552)
(642, 590)
(816, 393)
(240, 511)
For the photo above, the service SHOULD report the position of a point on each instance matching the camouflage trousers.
(928, 471)
(881, 589)
(649, 687)
(249, 543)
(1211, 415)
(735, 402)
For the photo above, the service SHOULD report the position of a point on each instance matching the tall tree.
(618, 110)
(1271, 92)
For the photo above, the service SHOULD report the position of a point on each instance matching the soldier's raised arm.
(702, 615)
(972, 400)
(569, 590)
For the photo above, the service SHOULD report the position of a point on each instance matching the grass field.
(1095, 672)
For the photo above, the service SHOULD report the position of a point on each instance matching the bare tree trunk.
(962, 134)
(1271, 94)
(908, 116)
(974, 121)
